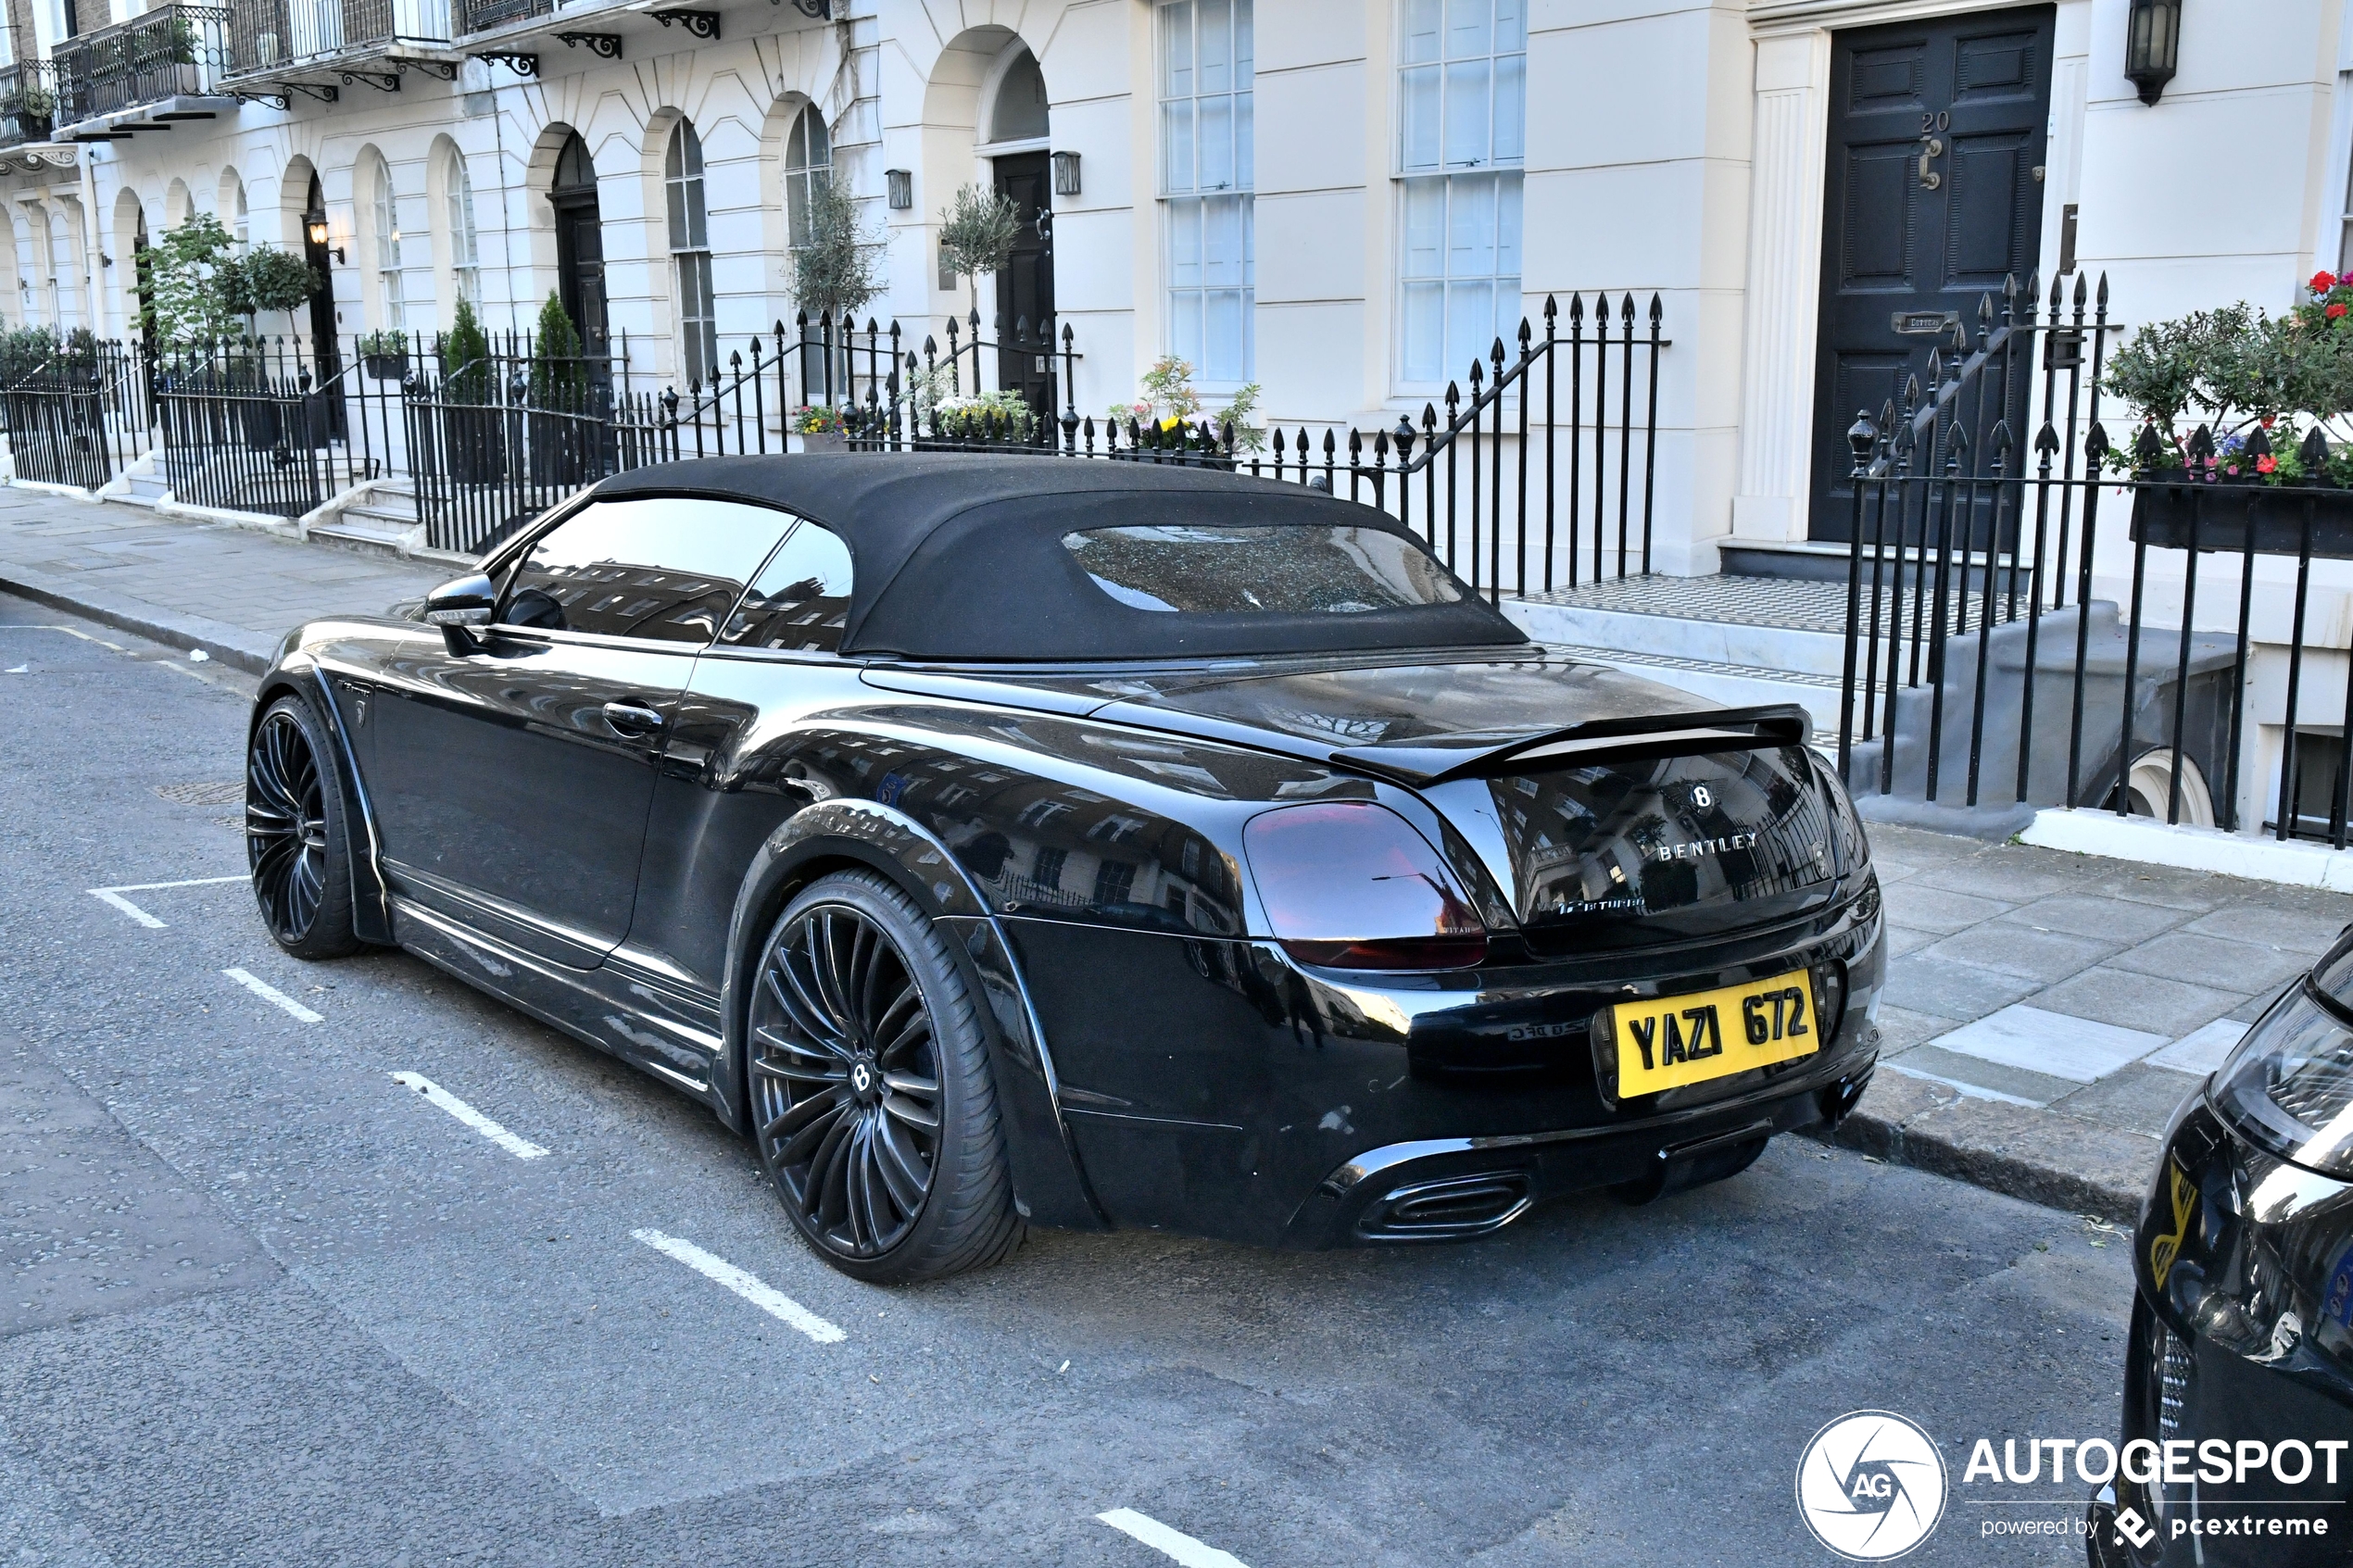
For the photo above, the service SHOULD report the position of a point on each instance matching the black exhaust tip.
(1449, 1209)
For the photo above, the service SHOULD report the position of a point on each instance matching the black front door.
(1026, 284)
(1934, 198)
(326, 407)
(580, 266)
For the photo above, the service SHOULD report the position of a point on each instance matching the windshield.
(1239, 568)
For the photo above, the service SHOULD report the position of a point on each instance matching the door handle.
(1934, 147)
(630, 720)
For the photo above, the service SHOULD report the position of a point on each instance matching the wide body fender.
(297, 671)
(1049, 1183)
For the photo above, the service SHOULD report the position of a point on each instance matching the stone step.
(1727, 685)
(365, 529)
(1642, 632)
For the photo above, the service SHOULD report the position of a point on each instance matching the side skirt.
(570, 1000)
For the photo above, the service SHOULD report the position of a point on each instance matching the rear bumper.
(1216, 1088)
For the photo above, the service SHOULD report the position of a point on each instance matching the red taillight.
(1349, 885)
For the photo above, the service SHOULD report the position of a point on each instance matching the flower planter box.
(2232, 517)
(386, 366)
(826, 440)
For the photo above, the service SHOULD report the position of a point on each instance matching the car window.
(666, 568)
(1239, 568)
(800, 599)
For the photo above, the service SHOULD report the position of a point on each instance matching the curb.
(232, 645)
(2036, 1156)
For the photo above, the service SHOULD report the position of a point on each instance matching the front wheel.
(872, 1101)
(297, 838)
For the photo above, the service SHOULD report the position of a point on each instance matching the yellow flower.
(1169, 423)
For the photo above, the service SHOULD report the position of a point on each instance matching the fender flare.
(1050, 1182)
(296, 674)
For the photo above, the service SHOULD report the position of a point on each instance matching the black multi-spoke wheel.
(294, 841)
(870, 1090)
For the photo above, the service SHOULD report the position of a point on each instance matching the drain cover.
(205, 792)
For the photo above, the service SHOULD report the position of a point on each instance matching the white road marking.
(521, 1148)
(765, 1296)
(1174, 1544)
(271, 995)
(69, 631)
(115, 895)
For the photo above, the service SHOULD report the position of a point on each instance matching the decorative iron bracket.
(324, 92)
(521, 65)
(701, 24)
(441, 70)
(382, 80)
(278, 101)
(815, 11)
(604, 46)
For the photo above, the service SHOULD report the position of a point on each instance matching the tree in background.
(465, 358)
(267, 281)
(184, 301)
(839, 268)
(977, 234)
(559, 376)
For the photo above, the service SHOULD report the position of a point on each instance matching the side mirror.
(463, 603)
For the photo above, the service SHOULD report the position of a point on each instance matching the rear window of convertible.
(1241, 568)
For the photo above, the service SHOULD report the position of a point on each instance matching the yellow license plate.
(1670, 1041)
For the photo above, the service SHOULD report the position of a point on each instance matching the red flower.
(2322, 281)
(2333, 311)
(2266, 463)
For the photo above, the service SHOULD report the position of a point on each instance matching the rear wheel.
(871, 1102)
(297, 839)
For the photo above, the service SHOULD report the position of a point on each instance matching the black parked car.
(1084, 844)
(2241, 1350)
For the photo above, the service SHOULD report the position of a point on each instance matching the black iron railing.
(172, 51)
(80, 418)
(482, 16)
(268, 37)
(27, 102)
(2037, 621)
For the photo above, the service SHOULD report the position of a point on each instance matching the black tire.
(872, 1103)
(297, 834)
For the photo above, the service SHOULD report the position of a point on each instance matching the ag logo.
(1703, 797)
(1870, 1486)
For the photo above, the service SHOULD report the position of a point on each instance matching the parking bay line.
(1173, 1544)
(765, 1296)
(115, 895)
(442, 1099)
(274, 997)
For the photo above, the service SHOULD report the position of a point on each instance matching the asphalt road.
(267, 1305)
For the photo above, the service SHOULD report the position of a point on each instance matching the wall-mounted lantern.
(319, 237)
(2153, 45)
(1065, 174)
(902, 188)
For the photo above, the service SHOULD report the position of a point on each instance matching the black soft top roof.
(960, 556)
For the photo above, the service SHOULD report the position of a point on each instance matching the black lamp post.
(2153, 45)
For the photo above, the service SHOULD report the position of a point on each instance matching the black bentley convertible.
(1084, 844)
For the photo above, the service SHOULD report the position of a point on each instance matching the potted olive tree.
(835, 270)
(2247, 425)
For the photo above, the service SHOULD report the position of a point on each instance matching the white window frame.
(1452, 166)
(465, 240)
(392, 304)
(804, 171)
(689, 217)
(1192, 198)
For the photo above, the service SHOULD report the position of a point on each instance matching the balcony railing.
(28, 103)
(173, 51)
(274, 37)
(481, 15)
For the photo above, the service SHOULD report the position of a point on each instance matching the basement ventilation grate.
(205, 792)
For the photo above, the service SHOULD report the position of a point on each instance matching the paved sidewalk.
(230, 591)
(2045, 1011)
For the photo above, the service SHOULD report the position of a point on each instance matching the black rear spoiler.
(1594, 741)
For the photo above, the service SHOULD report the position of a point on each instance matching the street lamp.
(2153, 45)
(318, 230)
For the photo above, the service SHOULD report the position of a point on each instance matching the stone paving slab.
(2046, 1013)
(228, 589)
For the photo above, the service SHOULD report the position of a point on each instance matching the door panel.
(506, 795)
(1937, 147)
(1026, 285)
